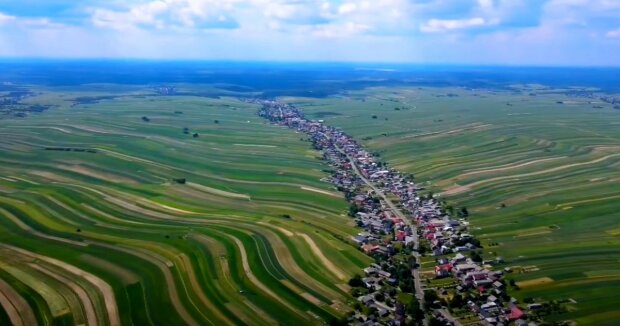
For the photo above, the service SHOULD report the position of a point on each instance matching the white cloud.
(613, 33)
(443, 25)
(168, 14)
(347, 8)
(4, 19)
(340, 30)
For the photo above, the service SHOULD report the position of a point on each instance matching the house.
(370, 270)
(401, 236)
(443, 270)
(463, 268)
(515, 313)
(369, 248)
(366, 299)
(520, 322)
(459, 258)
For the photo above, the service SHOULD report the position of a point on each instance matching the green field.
(101, 233)
(541, 179)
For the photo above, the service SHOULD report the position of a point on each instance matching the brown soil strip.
(15, 306)
(328, 263)
(87, 304)
(104, 288)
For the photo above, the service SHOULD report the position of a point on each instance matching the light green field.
(555, 167)
(253, 237)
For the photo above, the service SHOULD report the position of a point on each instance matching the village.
(400, 227)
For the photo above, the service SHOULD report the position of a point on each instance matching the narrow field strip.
(104, 289)
(20, 313)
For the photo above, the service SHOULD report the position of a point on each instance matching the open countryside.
(305, 162)
(459, 205)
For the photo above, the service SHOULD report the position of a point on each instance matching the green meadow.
(113, 213)
(538, 170)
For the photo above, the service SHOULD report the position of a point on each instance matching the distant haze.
(491, 32)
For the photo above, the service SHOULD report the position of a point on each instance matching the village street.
(398, 235)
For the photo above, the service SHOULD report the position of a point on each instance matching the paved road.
(416, 273)
(446, 314)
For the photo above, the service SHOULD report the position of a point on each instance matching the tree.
(354, 209)
(457, 301)
(434, 322)
(380, 297)
(216, 121)
(374, 116)
(195, 135)
(343, 321)
(430, 296)
(413, 308)
(356, 281)
(475, 256)
(463, 212)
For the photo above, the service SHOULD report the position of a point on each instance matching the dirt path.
(104, 288)
(218, 192)
(325, 192)
(86, 303)
(508, 167)
(258, 283)
(328, 263)
(36, 233)
(218, 250)
(169, 280)
(16, 307)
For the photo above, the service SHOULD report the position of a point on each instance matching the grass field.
(102, 234)
(539, 172)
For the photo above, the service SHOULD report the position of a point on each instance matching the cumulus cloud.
(613, 33)
(443, 25)
(4, 19)
(162, 14)
(320, 29)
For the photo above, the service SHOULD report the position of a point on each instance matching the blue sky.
(521, 32)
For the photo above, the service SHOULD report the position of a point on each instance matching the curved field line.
(587, 201)
(507, 167)
(257, 282)
(320, 191)
(87, 171)
(169, 280)
(460, 189)
(87, 304)
(189, 271)
(281, 229)
(104, 288)
(219, 249)
(20, 313)
(472, 127)
(36, 233)
(328, 263)
(288, 263)
(215, 191)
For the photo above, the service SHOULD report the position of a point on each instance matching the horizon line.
(11, 59)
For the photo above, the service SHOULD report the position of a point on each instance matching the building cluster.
(394, 239)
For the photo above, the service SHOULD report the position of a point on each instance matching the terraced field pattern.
(111, 213)
(538, 170)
